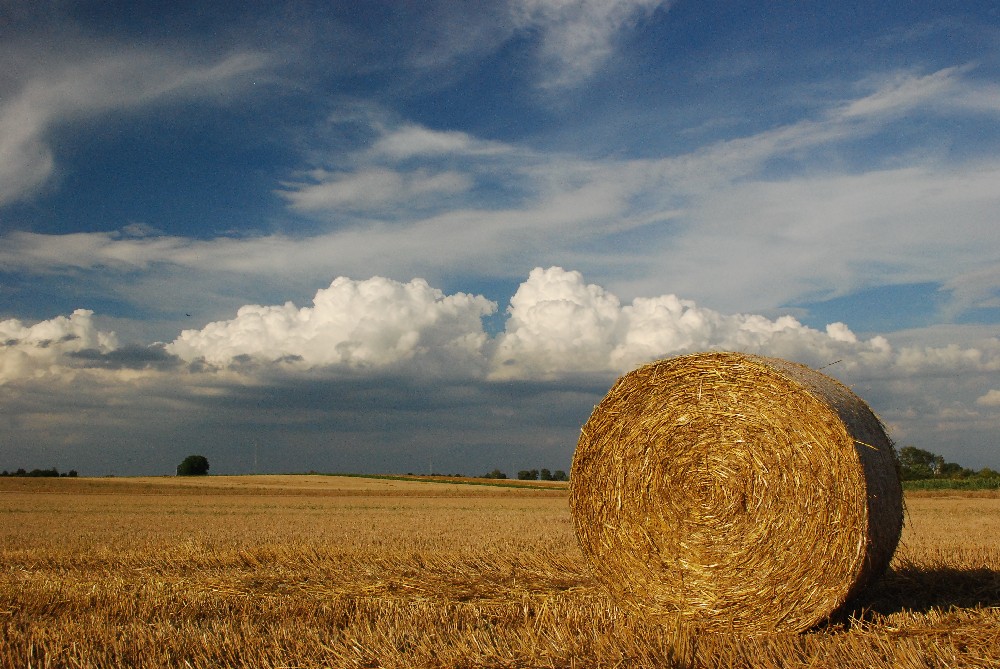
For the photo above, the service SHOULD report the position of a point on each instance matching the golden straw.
(738, 492)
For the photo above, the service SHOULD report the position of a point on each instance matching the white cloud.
(763, 243)
(25, 160)
(409, 141)
(712, 226)
(372, 188)
(560, 325)
(981, 98)
(577, 36)
(573, 38)
(944, 91)
(40, 350)
(85, 81)
(405, 166)
(354, 324)
(559, 328)
(795, 239)
(905, 91)
(730, 160)
(557, 325)
(43, 253)
(990, 399)
(978, 289)
(950, 359)
(715, 225)
(840, 332)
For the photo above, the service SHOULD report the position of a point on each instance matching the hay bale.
(740, 492)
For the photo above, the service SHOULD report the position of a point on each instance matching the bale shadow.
(920, 589)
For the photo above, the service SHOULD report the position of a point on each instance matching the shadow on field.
(920, 589)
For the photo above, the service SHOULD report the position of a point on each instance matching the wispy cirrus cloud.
(87, 80)
(712, 223)
(413, 141)
(372, 189)
(901, 92)
(577, 36)
(571, 39)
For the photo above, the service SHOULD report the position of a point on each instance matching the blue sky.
(369, 238)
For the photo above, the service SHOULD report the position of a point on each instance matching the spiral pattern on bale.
(739, 492)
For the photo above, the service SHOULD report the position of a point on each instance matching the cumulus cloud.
(41, 350)
(562, 334)
(130, 356)
(947, 360)
(990, 399)
(352, 324)
(559, 324)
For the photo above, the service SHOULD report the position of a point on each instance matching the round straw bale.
(738, 492)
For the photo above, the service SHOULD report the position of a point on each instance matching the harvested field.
(313, 571)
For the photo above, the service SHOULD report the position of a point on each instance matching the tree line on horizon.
(917, 464)
(39, 473)
(530, 475)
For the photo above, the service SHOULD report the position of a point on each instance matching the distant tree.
(916, 463)
(546, 475)
(952, 470)
(528, 475)
(559, 475)
(987, 473)
(495, 474)
(193, 465)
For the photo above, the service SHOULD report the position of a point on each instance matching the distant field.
(320, 571)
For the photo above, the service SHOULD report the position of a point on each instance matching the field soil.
(320, 571)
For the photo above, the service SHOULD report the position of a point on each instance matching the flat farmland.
(319, 571)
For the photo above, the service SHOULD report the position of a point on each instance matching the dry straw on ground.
(739, 492)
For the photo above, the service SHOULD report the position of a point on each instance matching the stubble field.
(315, 571)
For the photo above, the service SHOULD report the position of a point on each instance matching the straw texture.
(740, 492)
